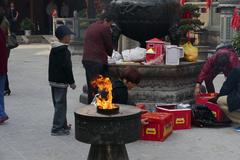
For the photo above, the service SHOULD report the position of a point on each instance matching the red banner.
(182, 2)
(235, 23)
(209, 3)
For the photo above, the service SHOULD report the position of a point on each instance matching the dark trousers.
(59, 97)
(93, 69)
(209, 85)
(13, 26)
(6, 88)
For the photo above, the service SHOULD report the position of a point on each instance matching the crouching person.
(229, 96)
(129, 78)
(60, 77)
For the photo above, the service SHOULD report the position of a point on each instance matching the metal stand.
(108, 152)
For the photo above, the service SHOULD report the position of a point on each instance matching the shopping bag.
(190, 52)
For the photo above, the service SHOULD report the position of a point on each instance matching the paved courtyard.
(26, 135)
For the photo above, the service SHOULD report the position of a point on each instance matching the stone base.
(108, 152)
(31, 39)
(161, 83)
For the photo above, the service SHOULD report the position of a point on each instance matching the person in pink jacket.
(223, 61)
(3, 69)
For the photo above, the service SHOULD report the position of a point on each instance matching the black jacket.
(60, 66)
(231, 88)
(119, 92)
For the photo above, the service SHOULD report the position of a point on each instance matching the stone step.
(22, 39)
(49, 38)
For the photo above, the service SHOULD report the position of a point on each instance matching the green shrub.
(236, 43)
(26, 24)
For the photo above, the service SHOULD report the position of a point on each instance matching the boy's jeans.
(2, 85)
(59, 97)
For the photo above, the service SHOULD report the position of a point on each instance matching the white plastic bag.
(116, 57)
(135, 54)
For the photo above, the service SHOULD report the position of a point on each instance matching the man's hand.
(144, 121)
(73, 86)
(197, 89)
(213, 100)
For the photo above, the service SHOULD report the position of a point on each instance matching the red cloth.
(54, 13)
(98, 43)
(3, 53)
(235, 22)
(209, 3)
(207, 72)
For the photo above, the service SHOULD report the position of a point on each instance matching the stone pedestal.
(163, 83)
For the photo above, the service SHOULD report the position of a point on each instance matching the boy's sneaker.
(61, 133)
(237, 129)
(3, 119)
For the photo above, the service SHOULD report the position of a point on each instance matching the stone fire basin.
(95, 128)
(107, 134)
(163, 83)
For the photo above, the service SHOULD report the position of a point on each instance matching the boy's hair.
(131, 75)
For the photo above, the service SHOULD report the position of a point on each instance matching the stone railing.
(78, 26)
(66, 21)
(75, 23)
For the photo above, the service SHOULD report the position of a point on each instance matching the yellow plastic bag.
(190, 52)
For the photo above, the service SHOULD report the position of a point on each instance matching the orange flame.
(104, 86)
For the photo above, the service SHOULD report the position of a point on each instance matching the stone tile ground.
(26, 136)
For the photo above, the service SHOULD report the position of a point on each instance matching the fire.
(104, 99)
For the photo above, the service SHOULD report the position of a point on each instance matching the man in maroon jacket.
(224, 60)
(3, 70)
(97, 47)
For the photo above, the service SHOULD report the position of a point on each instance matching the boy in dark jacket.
(60, 77)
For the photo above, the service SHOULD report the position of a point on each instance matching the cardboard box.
(159, 128)
(204, 97)
(173, 54)
(181, 117)
(216, 110)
